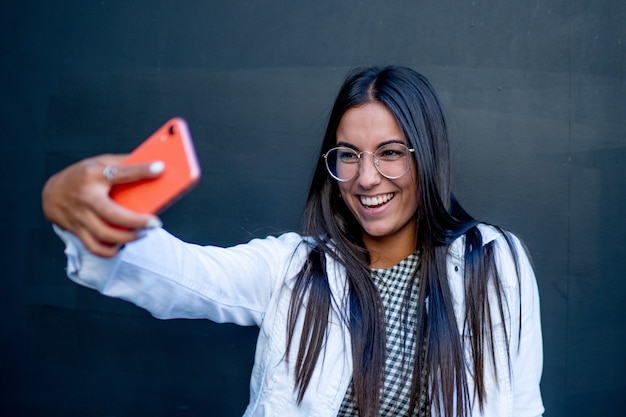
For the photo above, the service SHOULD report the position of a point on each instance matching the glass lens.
(392, 160)
(342, 163)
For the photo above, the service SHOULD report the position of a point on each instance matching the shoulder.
(488, 235)
(291, 247)
(508, 251)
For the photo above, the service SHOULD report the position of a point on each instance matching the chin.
(378, 233)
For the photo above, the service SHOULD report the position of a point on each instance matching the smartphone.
(172, 144)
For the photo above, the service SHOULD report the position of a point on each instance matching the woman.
(392, 301)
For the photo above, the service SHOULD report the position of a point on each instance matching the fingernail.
(154, 223)
(157, 167)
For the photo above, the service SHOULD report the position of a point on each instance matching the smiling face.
(385, 208)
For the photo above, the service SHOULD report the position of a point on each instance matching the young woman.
(392, 301)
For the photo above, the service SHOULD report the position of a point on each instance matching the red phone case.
(171, 144)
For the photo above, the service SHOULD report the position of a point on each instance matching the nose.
(368, 175)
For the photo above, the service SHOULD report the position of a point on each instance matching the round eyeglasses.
(391, 160)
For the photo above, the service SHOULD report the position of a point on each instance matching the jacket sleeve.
(526, 347)
(174, 279)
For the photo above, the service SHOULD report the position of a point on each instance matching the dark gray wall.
(535, 91)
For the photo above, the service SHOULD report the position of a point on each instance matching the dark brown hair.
(440, 220)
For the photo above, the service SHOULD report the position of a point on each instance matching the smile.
(371, 202)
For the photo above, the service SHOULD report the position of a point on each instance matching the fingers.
(77, 199)
(107, 170)
(99, 203)
(119, 217)
(95, 246)
(122, 174)
(104, 239)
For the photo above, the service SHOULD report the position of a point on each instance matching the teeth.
(376, 201)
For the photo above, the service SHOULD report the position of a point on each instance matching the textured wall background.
(535, 92)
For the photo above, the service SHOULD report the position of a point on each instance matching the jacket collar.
(488, 234)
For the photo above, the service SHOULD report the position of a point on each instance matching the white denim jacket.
(252, 283)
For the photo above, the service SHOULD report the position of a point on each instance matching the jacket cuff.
(82, 266)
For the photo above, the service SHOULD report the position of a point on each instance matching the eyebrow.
(387, 142)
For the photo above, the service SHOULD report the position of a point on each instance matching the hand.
(77, 199)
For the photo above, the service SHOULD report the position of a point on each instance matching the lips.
(376, 201)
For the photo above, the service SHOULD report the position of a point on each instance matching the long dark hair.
(440, 220)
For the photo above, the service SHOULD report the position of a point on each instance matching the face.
(385, 208)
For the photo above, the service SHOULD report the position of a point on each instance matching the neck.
(387, 251)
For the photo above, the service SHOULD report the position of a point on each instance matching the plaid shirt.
(392, 285)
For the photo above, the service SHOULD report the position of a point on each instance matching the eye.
(391, 152)
(347, 155)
